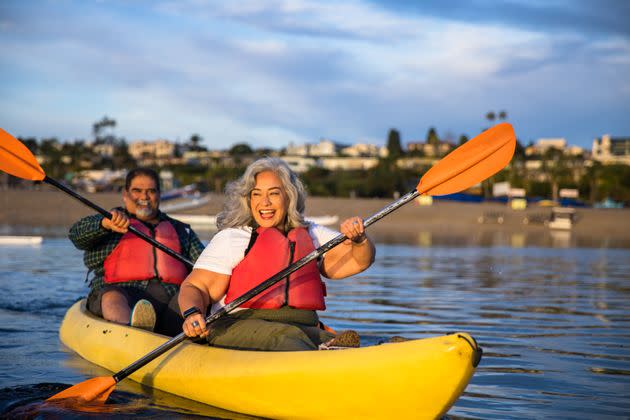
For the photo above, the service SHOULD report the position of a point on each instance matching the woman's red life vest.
(271, 253)
(134, 259)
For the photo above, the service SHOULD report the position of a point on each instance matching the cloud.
(270, 72)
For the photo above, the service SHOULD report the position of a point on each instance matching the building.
(611, 150)
(544, 144)
(300, 164)
(364, 150)
(429, 149)
(158, 149)
(348, 163)
(104, 149)
(323, 148)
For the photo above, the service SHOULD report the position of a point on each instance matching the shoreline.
(46, 211)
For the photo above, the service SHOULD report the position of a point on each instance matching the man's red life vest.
(271, 253)
(134, 259)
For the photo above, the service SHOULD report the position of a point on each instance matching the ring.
(195, 324)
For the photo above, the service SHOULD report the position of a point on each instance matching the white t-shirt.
(227, 249)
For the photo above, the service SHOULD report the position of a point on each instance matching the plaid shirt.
(89, 235)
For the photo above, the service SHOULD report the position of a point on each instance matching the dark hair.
(142, 172)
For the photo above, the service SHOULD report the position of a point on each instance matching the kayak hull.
(412, 379)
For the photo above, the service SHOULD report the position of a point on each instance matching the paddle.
(17, 160)
(474, 161)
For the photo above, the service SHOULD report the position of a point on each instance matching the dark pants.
(284, 329)
(169, 321)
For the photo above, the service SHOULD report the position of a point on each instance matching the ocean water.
(554, 323)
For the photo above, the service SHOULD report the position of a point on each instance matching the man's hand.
(118, 223)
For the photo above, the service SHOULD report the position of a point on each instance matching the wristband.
(190, 311)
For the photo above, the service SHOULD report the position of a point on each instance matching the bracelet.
(190, 311)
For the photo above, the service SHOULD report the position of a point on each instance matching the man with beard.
(134, 283)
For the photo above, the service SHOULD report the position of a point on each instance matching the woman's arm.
(352, 256)
(200, 288)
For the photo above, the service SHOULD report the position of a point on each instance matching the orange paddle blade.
(95, 389)
(17, 160)
(472, 162)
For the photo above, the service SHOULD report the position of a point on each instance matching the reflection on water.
(503, 238)
(553, 322)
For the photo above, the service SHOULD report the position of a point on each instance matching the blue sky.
(270, 72)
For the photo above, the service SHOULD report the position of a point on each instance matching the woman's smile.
(268, 200)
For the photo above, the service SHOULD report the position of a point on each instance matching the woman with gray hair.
(262, 231)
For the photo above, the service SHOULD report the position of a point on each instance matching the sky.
(273, 72)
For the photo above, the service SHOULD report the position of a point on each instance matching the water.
(553, 323)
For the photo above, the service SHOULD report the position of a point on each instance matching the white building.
(364, 149)
(348, 163)
(323, 148)
(300, 164)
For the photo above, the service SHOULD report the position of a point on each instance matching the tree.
(98, 126)
(462, 139)
(194, 143)
(503, 115)
(432, 137)
(394, 148)
(491, 116)
(240, 149)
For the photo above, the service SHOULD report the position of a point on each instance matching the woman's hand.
(352, 256)
(354, 230)
(118, 223)
(195, 326)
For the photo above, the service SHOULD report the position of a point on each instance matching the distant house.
(348, 163)
(610, 150)
(104, 149)
(364, 150)
(158, 151)
(429, 149)
(558, 143)
(415, 162)
(323, 148)
(300, 164)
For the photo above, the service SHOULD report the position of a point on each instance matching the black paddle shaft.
(107, 214)
(262, 287)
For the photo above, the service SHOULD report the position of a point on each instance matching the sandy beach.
(46, 210)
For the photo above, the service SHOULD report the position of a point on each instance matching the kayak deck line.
(410, 379)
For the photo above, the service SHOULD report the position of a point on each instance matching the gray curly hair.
(236, 210)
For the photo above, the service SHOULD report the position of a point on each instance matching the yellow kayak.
(411, 379)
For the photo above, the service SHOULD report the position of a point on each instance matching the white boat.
(209, 222)
(20, 240)
(184, 204)
(562, 218)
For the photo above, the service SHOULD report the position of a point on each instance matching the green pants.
(284, 329)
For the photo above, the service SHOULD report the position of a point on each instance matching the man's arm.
(88, 231)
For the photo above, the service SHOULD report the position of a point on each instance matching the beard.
(144, 210)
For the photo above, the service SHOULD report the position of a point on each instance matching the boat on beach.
(562, 218)
(411, 379)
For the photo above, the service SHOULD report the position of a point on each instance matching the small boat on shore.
(562, 218)
(411, 379)
(20, 240)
